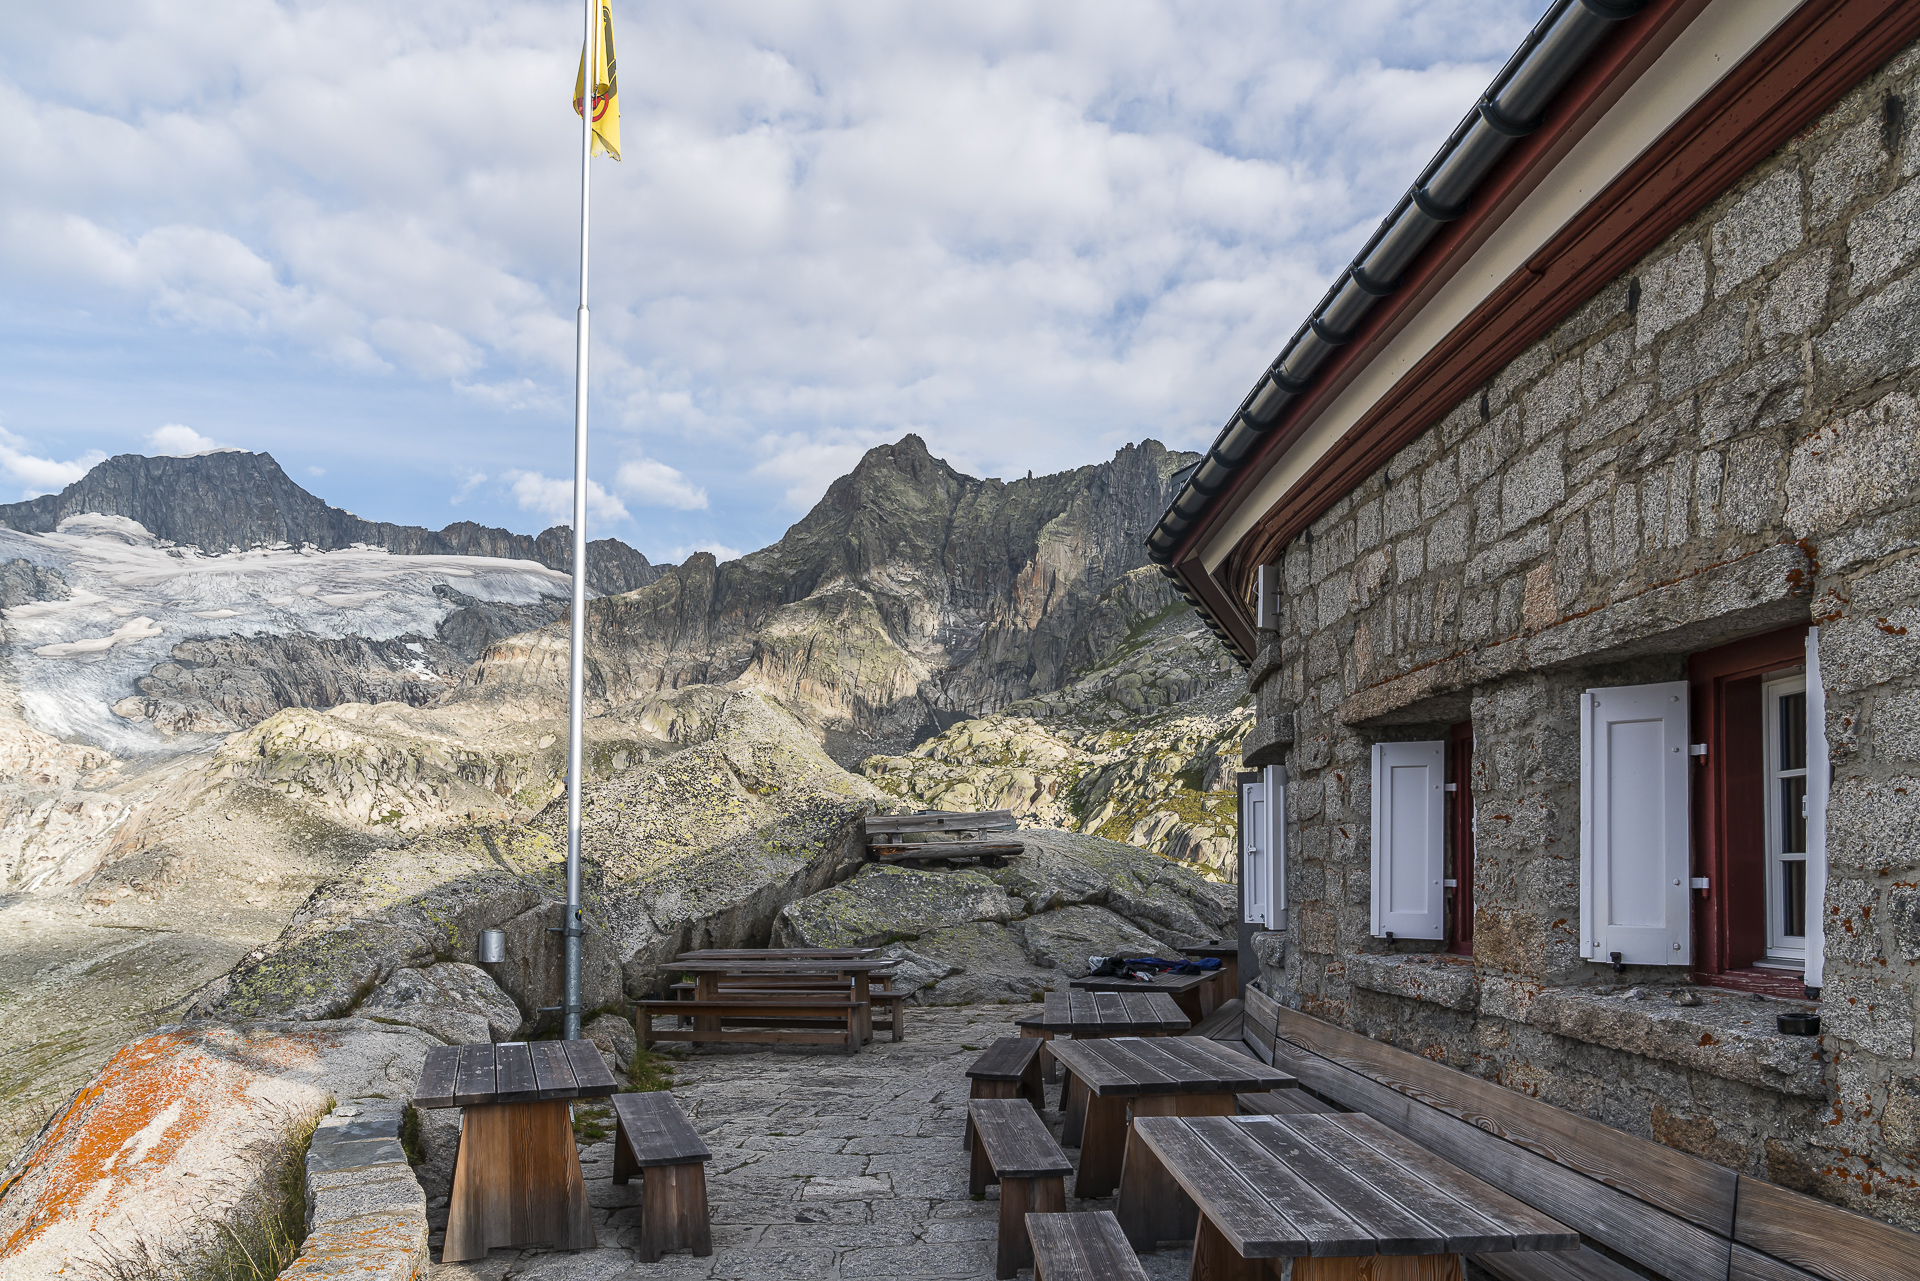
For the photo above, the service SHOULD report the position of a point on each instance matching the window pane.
(1793, 821)
(1793, 898)
(1793, 733)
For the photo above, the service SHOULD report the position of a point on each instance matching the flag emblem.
(606, 89)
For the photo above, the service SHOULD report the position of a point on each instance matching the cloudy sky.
(345, 232)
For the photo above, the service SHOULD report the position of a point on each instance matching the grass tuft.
(260, 1236)
(650, 1070)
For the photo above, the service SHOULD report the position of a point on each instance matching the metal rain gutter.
(1512, 107)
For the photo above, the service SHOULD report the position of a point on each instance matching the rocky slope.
(909, 597)
(233, 500)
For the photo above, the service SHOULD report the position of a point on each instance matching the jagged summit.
(232, 500)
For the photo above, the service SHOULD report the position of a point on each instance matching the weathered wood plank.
(1695, 1190)
(1366, 1192)
(1267, 1209)
(1556, 1265)
(1671, 1246)
(590, 1071)
(937, 821)
(438, 1076)
(1751, 1265)
(1294, 1102)
(513, 1073)
(1820, 1238)
(656, 1131)
(1008, 1059)
(1081, 1247)
(551, 1071)
(1017, 1142)
(474, 1084)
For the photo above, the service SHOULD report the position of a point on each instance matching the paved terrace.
(823, 1167)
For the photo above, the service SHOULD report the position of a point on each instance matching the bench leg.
(1214, 1259)
(987, 1090)
(1073, 1111)
(1380, 1267)
(1017, 1197)
(1101, 1147)
(1153, 1207)
(673, 1211)
(1031, 1089)
(980, 1172)
(1048, 1071)
(624, 1166)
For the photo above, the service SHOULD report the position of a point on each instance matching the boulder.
(1163, 898)
(883, 904)
(916, 972)
(175, 1134)
(457, 1002)
(616, 1040)
(990, 963)
(1062, 940)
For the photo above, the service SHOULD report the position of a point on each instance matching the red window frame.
(1460, 829)
(1729, 839)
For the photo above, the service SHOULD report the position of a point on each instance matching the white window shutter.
(1634, 849)
(1254, 876)
(1819, 780)
(1409, 839)
(1276, 838)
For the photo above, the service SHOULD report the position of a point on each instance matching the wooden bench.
(1013, 1147)
(1221, 1025)
(1281, 1103)
(1673, 1215)
(1010, 1069)
(1081, 1247)
(789, 1018)
(653, 1137)
(941, 834)
(881, 996)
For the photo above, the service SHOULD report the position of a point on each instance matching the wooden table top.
(1169, 983)
(1338, 1185)
(789, 965)
(1165, 1065)
(512, 1072)
(1221, 950)
(1109, 1014)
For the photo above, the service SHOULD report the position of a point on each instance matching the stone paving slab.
(823, 1167)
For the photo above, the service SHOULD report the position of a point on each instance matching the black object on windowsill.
(1799, 1024)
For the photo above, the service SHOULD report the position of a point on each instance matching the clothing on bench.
(653, 1137)
(1013, 1147)
(1082, 1247)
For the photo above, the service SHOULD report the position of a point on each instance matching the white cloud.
(721, 552)
(654, 484)
(1029, 231)
(181, 441)
(473, 480)
(42, 475)
(316, 472)
(553, 498)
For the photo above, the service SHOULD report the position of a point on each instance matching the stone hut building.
(1573, 545)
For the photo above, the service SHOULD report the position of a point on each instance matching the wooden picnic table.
(1228, 954)
(1097, 1014)
(858, 970)
(516, 1180)
(1157, 1076)
(1340, 1194)
(778, 954)
(1195, 994)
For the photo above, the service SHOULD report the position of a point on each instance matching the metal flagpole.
(576, 663)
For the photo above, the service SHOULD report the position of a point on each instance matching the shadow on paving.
(823, 1167)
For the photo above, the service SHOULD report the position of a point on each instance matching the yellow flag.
(606, 90)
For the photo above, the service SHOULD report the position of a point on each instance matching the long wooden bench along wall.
(1630, 1198)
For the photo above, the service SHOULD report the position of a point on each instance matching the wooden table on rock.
(707, 974)
(1195, 994)
(1157, 1076)
(1341, 1195)
(517, 1178)
(1228, 954)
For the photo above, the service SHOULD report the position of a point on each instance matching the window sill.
(1728, 1035)
(1439, 978)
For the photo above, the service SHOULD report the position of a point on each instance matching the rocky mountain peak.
(234, 500)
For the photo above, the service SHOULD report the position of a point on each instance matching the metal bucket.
(493, 946)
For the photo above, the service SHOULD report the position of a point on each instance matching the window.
(1759, 869)
(1460, 830)
(1784, 716)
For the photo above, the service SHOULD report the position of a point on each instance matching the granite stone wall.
(1721, 442)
